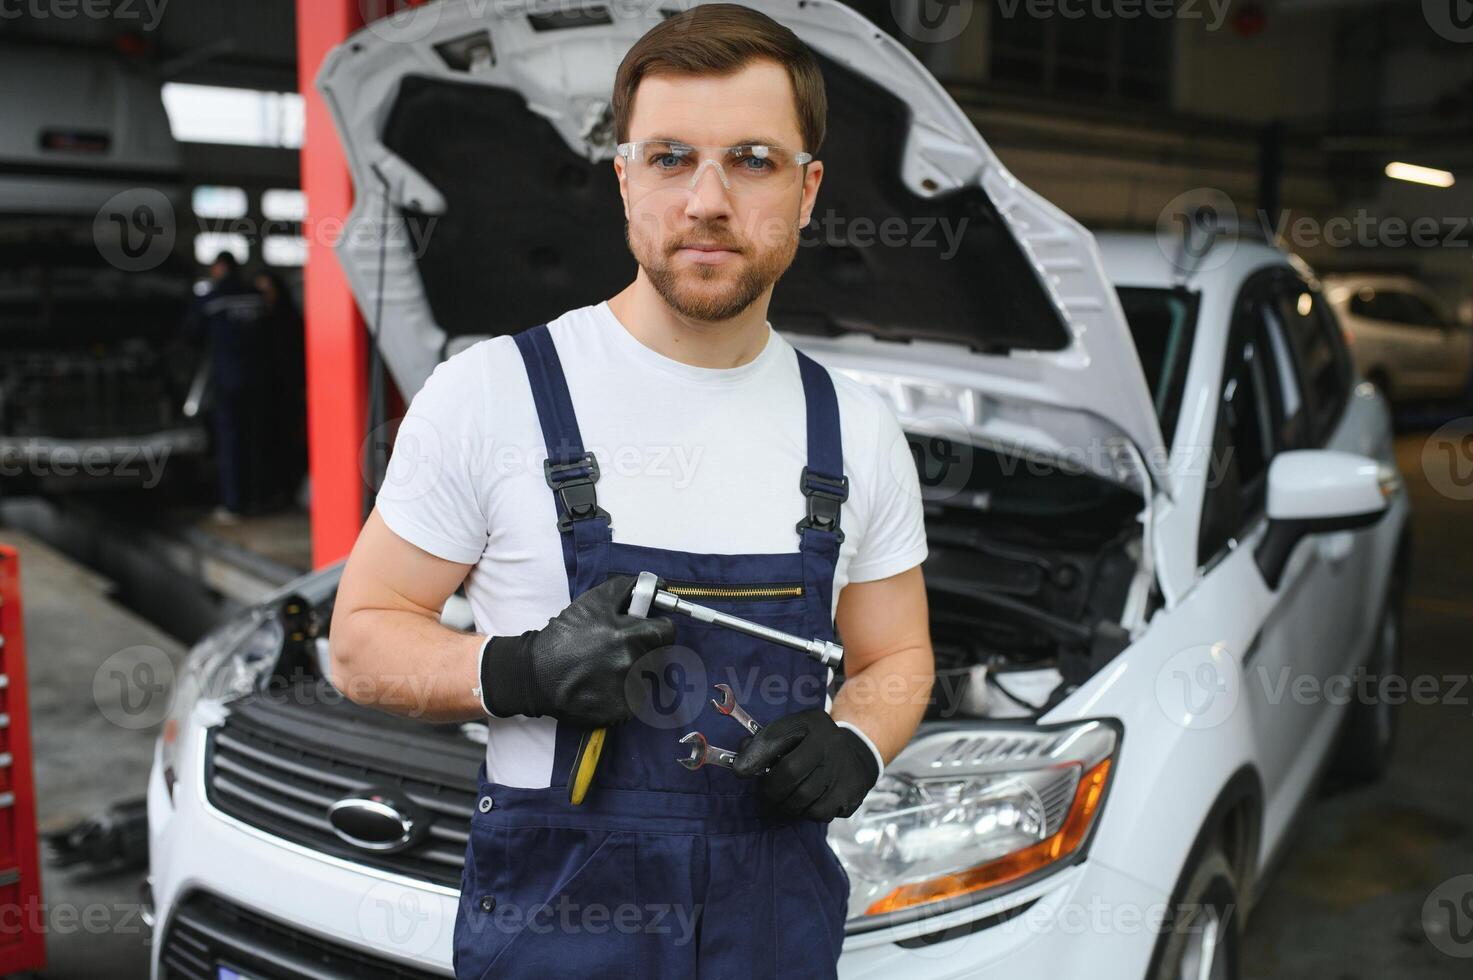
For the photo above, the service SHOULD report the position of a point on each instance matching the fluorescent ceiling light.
(243, 117)
(1419, 175)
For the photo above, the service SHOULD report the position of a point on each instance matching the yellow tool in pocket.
(590, 747)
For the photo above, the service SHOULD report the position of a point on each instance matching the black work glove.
(816, 769)
(574, 668)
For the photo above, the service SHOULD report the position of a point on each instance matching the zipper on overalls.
(762, 590)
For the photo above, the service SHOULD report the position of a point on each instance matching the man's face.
(754, 236)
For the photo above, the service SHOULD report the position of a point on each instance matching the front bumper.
(1086, 921)
(196, 848)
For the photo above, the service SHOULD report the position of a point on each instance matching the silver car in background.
(1402, 339)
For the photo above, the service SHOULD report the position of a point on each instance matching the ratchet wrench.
(648, 595)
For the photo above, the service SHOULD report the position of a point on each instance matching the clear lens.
(911, 830)
(748, 169)
(228, 663)
(961, 812)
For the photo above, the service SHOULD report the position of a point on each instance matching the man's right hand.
(574, 668)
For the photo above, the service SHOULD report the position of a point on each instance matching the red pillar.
(337, 344)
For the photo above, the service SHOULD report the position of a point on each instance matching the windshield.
(1062, 496)
(1163, 323)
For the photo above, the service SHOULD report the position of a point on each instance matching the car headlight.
(961, 813)
(228, 663)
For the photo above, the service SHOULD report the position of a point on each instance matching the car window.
(1374, 305)
(1319, 348)
(1396, 306)
(1420, 312)
(1249, 417)
(1163, 324)
(1257, 411)
(1288, 382)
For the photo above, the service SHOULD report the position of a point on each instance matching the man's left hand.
(816, 768)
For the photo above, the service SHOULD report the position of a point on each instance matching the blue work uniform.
(231, 319)
(663, 871)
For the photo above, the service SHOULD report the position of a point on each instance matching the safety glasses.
(748, 170)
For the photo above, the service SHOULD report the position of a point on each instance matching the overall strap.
(570, 470)
(825, 488)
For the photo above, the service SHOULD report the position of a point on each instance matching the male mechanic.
(667, 429)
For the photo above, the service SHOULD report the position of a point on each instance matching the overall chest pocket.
(546, 901)
(740, 593)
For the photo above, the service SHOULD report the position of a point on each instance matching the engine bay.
(1028, 576)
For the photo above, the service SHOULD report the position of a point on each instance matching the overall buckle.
(825, 494)
(573, 483)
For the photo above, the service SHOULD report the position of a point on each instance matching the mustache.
(713, 240)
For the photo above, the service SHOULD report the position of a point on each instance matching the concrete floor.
(284, 537)
(99, 679)
(1347, 904)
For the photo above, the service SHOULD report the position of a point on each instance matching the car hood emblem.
(377, 820)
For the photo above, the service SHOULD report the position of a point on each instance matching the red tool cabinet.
(22, 942)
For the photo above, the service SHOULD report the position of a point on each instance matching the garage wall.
(1286, 69)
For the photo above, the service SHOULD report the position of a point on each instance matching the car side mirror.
(1312, 491)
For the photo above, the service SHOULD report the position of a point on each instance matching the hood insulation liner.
(530, 234)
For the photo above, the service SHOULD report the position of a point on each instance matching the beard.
(713, 293)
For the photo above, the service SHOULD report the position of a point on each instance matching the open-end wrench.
(728, 706)
(648, 595)
(700, 752)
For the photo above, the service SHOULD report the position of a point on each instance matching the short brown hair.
(720, 39)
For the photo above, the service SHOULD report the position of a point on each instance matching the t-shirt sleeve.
(895, 538)
(432, 494)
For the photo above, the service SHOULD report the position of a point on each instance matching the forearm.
(887, 699)
(407, 663)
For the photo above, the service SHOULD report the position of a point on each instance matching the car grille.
(207, 932)
(278, 763)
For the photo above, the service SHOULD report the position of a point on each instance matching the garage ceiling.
(215, 43)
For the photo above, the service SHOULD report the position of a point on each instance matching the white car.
(1164, 535)
(1403, 340)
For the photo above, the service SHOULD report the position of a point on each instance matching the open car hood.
(451, 240)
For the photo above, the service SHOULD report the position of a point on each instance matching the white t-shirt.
(691, 459)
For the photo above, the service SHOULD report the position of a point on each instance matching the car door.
(1338, 563)
(1445, 349)
(1264, 408)
(1415, 346)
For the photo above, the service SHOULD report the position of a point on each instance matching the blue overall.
(662, 871)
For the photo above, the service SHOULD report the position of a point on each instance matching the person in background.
(231, 319)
